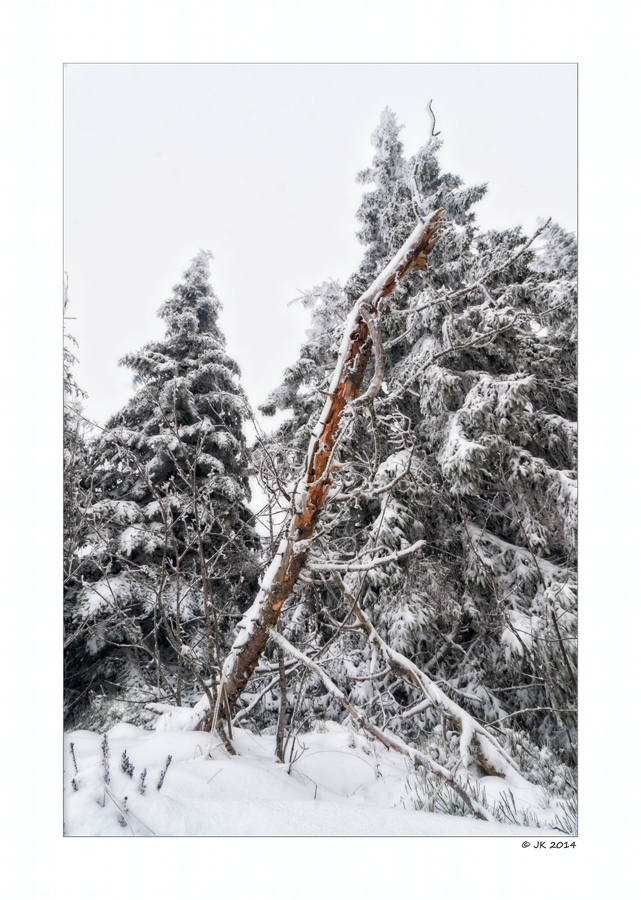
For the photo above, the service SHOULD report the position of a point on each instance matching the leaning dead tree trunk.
(361, 339)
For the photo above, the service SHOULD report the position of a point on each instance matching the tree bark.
(311, 493)
(282, 709)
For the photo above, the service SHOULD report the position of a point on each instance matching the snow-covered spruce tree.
(171, 532)
(73, 451)
(478, 410)
(75, 531)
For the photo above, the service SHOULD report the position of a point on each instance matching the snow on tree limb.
(364, 567)
(477, 744)
(392, 741)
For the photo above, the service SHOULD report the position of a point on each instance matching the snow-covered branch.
(456, 295)
(490, 755)
(369, 490)
(372, 321)
(392, 741)
(327, 566)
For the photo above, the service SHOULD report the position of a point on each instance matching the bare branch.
(388, 740)
(364, 567)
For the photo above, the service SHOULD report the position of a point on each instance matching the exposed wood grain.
(317, 479)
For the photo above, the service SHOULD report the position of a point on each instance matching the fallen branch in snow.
(390, 741)
(476, 744)
(359, 339)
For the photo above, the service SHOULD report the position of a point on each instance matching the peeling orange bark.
(316, 482)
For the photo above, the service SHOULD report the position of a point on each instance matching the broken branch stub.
(312, 490)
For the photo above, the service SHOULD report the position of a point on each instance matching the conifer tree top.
(193, 336)
(188, 389)
(194, 306)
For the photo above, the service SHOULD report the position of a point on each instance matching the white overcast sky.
(257, 163)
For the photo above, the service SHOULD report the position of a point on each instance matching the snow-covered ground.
(340, 783)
